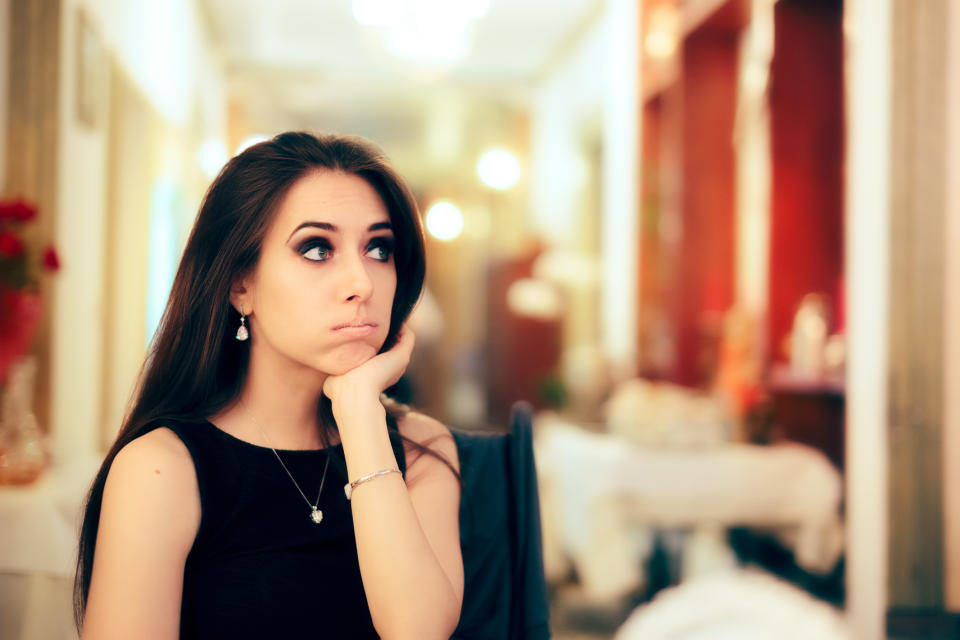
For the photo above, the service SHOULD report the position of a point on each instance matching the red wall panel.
(807, 133)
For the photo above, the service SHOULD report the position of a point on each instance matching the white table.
(601, 495)
(39, 526)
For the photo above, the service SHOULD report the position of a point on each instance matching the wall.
(806, 104)
(951, 296)
(77, 335)
(594, 88)
(867, 249)
(915, 384)
(569, 98)
(4, 84)
(162, 48)
(704, 249)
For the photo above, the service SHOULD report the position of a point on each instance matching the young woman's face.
(323, 289)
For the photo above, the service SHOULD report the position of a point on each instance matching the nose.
(357, 284)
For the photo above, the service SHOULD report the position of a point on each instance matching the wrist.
(353, 413)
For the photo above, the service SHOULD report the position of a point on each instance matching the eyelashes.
(315, 249)
(383, 247)
(319, 249)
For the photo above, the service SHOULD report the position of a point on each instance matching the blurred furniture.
(810, 413)
(39, 528)
(735, 604)
(520, 351)
(505, 594)
(603, 494)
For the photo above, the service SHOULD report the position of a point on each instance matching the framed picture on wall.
(90, 83)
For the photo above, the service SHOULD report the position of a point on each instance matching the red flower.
(50, 259)
(10, 245)
(17, 210)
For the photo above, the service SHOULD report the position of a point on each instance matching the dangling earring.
(242, 333)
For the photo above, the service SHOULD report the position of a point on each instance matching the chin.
(347, 357)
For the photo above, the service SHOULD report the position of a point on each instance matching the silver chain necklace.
(315, 513)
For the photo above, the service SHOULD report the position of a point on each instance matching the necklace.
(315, 513)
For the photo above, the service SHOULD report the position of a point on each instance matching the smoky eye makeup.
(382, 248)
(315, 249)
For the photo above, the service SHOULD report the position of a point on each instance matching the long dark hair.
(195, 367)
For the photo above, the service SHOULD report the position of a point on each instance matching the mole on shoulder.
(156, 471)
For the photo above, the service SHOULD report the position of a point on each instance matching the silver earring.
(242, 333)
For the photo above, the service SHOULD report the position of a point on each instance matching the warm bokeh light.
(422, 30)
(444, 221)
(377, 13)
(534, 299)
(212, 155)
(499, 169)
(661, 39)
(249, 141)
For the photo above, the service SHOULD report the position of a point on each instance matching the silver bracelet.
(350, 486)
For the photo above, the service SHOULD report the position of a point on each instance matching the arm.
(408, 540)
(148, 521)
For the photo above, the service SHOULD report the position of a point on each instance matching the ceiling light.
(422, 30)
(661, 39)
(377, 13)
(499, 169)
(444, 221)
(439, 45)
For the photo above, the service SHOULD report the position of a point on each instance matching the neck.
(279, 399)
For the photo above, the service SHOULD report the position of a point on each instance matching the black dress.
(260, 567)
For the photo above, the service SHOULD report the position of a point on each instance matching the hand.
(364, 382)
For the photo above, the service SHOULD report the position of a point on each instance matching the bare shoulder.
(153, 453)
(156, 469)
(430, 433)
(149, 518)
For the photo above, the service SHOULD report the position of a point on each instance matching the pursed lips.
(357, 329)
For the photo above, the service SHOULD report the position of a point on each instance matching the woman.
(260, 486)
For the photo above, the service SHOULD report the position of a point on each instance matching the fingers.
(400, 353)
(406, 339)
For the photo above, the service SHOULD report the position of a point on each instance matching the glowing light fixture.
(444, 221)
(249, 141)
(499, 169)
(534, 298)
(422, 30)
(378, 13)
(661, 39)
(211, 156)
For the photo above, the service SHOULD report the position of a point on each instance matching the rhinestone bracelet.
(350, 486)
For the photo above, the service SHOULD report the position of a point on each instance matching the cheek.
(387, 289)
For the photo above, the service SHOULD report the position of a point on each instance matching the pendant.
(316, 515)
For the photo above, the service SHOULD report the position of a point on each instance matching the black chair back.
(505, 593)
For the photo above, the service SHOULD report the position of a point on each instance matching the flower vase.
(20, 311)
(23, 447)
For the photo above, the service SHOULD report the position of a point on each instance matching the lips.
(357, 329)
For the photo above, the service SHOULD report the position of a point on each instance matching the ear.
(240, 295)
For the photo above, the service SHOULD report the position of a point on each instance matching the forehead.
(343, 199)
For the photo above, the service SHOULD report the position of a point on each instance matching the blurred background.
(716, 243)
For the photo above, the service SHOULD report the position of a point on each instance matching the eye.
(315, 250)
(381, 249)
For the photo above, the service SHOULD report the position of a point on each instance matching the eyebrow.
(376, 226)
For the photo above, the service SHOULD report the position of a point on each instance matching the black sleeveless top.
(259, 566)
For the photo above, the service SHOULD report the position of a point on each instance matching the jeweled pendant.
(316, 515)
(242, 333)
